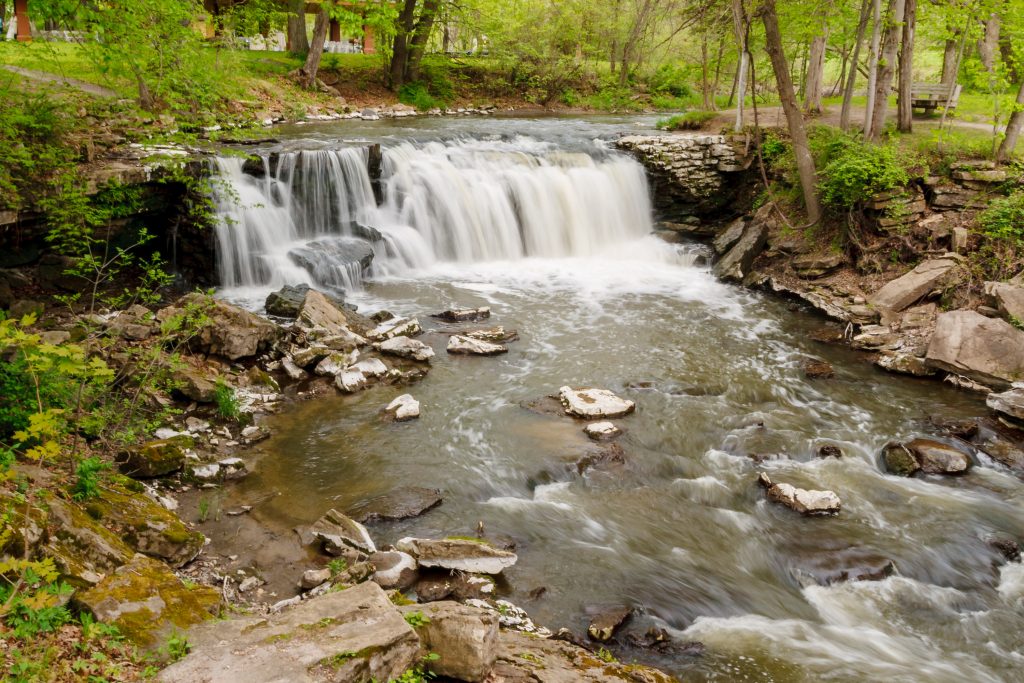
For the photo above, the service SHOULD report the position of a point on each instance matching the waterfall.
(311, 216)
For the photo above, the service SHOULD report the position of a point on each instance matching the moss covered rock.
(147, 602)
(143, 524)
(84, 551)
(155, 458)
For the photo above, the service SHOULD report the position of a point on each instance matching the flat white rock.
(474, 347)
(804, 501)
(594, 403)
(457, 554)
(602, 430)
(403, 408)
(371, 367)
(404, 347)
(350, 381)
(396, 327)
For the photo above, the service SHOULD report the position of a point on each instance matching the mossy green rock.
(899, 460)
(147, 602)
(84, 551)
(155, 458)
(144, 524)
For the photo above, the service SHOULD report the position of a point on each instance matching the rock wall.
(691, 174)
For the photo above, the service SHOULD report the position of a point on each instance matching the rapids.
(539, 220)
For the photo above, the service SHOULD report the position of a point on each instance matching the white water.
(466, 202)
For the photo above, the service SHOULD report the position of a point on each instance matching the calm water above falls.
(681, 530)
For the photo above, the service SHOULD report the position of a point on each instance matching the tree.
(298, 41)
(815, 81)
(411, 35)
(307, 74)
(905, 112)
(1013, 128)
(851, 80)
(795, 121)
(886, 67)
(739, 22)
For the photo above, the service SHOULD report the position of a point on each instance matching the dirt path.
(773, 117)
(47, 77)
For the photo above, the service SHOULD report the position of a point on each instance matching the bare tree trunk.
(989, 42)
(851, 81)
(1013, 128)
(739, 27)
(718, 73)
(787, 96)
(307, 74)
(705, 86)
(949, 61)
(876, 37)
(887, 67)
(146, 99)
(905, 113)
(298, 41)
(816, 71)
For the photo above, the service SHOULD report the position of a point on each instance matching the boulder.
(371, 367)
(83, 550)
(350, 635)
(194, 384)
(1009, 403)
(982, 349)
(601, 431)
(818, 369)
(1004, 452)
(730, 236)
(230, 331)
(735, 264)
(473, 556)
(907, 289)
(805, 501)
(287, 301)
(337, 531)
(147, 603)
(350, 381)
(143, 523)
(395, 327)
(310, 355)
(311, 578)
(904, 363)
(811, 266)
(463, 315)
(936, 457)
(292, 370)
(459, 344)
(463, 638)
(401, 503)
(593, 403)
(403, 409)
(606, 622)
(395, 570)
(55, 271)
(899, 460)
(405, 347)
(1008, 298)
(335, 363)
(324, 258)
(155, 458)
(320, 313)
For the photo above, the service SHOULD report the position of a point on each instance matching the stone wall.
(691, 174)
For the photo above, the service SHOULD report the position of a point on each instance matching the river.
(543, 222)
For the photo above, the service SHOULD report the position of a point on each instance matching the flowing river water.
(540, 220)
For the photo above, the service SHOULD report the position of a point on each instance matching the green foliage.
(227, 404)
(419, 673)
(691, 120)
(31, 599)
(337, 565)
(416, 619)
(605, 655)
(1004, 219)
(416, 95)
(673, 79)
(176, 646)
(773, 147)
(87, 483)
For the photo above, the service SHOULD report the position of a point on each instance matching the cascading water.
(310, 216)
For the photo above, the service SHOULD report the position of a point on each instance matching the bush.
(227, 403)
(1004, 219)
(861, 171)
(672, 79)
(691, 120)
(416, 95)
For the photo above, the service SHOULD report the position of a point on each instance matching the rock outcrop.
(593, 403)
(230, 331)
(927, 277)
(735, 264)
(456, 554)
(468, 346)
(983, 349)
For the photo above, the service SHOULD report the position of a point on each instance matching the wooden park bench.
(929, 96)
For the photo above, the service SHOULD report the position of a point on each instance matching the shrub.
(691, 120)
(672, 79)
(416, 95)
(87, 483)
(852, 170)
(227, 403)
(1004, 219)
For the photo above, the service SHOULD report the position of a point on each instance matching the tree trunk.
(705, 86)
(801, 149)
(887, 67)
(816, 71)
(1013, 128)
(146, 99)
(905, 113)
(307, 74)
(876, 36)
(298, 41)
(418, 44)
(949, 60)
(400, 47)
(851, 81)
(989, 42)
(739, 27)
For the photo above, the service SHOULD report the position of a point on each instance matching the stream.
(542, 221)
